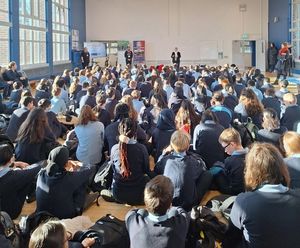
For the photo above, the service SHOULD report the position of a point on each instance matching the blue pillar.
(14, 31)
(49, 37)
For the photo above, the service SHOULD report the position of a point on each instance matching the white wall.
(195, 26)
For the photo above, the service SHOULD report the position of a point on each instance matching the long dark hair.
(33, 128)
(127, 128)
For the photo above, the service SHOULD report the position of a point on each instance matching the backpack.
(29, 223)
(252, 128)
(108, 232)
(103, 177)
(4, 120)
(209, 223)
(10, 230)
(246, 136)
(4, 139)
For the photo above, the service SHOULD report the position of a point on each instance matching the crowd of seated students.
(184, 119)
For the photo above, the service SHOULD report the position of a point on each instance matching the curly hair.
(251, 102)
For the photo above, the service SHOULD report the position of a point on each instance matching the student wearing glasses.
(229, 176)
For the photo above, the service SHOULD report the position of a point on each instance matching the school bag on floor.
(209, 223)
(108, 232)
(10, 230)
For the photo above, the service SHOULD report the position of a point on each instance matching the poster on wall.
(139, 52)
(75, 39)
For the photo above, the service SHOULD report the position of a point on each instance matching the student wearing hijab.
(162, 133)
(61, 190)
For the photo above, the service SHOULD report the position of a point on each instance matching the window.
(61, 34)
(295, 30)
(4, 32)
(32, 32)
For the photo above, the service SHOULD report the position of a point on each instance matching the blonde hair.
(291, 143)
(290, 98)
(180, 141)
(230, 135)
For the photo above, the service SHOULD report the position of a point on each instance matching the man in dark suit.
(176, 55)
(128, 56)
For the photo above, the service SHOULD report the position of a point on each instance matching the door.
(242, 53)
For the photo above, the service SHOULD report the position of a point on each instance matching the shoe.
(107, 195)
(90, 199)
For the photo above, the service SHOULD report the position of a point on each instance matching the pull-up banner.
(139, 52)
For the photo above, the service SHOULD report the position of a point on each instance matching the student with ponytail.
(131, 169)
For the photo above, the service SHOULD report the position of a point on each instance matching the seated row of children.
(161, 224)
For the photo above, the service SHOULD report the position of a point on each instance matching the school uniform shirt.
(110, 107)
(234, 170)
(271, 136)
(138, 160)
(42, 94)
(184, 172)
(34, 152)
(15, 184)
(58, 105)
(268, 216)
(290, 117)
(148, 230)
(87, 100)
(90, 142)
(112, 133)
(223, 114)
(206, 142)
(145, 89)
(15, 96)
(16, 120)
(272, 102)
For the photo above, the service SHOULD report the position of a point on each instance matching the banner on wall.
(138, 51)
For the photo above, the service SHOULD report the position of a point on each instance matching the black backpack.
(103, 177)
(10, 230)
(108, 231)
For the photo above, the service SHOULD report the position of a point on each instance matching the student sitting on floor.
(267, 215)
(131, 169)
(62, 191)
(228, 177)
(190, 179)
(16, 179)
(160, 225)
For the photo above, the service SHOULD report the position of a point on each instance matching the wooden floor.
(118, 210)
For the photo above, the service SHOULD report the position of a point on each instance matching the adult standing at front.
(282, 63)
(85, 58)
(272, 57)
(128, 56)
(176, 57)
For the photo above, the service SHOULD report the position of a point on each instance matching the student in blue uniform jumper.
(160, 224)
(189, 175)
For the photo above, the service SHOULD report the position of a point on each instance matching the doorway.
(244, 53)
